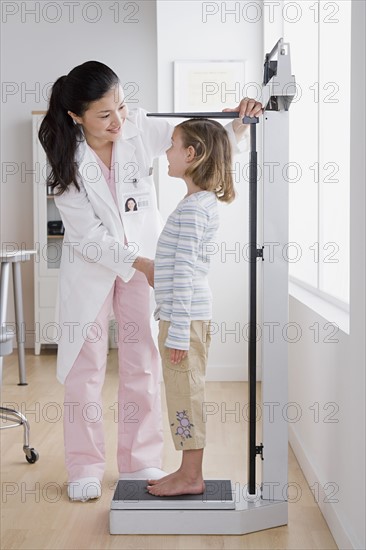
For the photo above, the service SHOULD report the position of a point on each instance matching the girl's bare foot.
(177, 484)
(162, 479)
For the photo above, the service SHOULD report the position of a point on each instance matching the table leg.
(19, 321)
(5, 270)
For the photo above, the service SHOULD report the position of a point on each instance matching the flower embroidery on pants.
(184, 427)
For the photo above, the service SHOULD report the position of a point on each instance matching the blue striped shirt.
(182, 262)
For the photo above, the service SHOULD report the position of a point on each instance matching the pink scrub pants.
(140, 436)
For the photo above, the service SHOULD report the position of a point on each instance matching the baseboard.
(342, 536)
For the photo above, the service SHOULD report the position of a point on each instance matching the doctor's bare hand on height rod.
(247, 107)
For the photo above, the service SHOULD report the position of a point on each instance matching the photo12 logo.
(254, 12)
(70, 12)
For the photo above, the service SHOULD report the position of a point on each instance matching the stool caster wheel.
(31, 456)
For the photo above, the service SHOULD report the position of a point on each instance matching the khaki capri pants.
(185, 386)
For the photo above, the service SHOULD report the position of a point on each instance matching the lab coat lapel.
(93, 177)
(124, 155)
(125, 158)
(124, 164)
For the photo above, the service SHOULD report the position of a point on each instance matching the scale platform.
(224, 507)
(132, 495)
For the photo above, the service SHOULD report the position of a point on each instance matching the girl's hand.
(177, 355)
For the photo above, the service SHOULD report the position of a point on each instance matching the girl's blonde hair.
(211, 167)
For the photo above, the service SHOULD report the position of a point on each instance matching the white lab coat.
(94, 251)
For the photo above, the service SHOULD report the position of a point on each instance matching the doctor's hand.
(145, 266)
(247, 107)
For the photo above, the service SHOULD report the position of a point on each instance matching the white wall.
(132, 50)
(329, 378)
(35, 52)
(195, 30)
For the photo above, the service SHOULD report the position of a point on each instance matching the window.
(320, 42)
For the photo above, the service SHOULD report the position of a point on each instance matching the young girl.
(200, 154)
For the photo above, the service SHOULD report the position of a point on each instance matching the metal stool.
(18, 419)
(11, 261)
(6, 348)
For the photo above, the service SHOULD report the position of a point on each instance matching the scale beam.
(279, 85)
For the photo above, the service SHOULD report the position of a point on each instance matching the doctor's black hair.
(58, 133)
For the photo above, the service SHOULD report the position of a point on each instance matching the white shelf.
(46, 270)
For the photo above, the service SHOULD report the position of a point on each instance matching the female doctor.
(101, 156)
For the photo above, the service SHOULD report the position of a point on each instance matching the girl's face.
(178, 156)
(103, 120)
(131, 204)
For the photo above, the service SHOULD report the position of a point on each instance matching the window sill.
(331, 312)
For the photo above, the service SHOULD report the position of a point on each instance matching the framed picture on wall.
(207, 85)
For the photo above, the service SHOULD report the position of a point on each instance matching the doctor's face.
(103, 120)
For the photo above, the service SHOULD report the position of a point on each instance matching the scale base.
(132, 495)
(223, 509)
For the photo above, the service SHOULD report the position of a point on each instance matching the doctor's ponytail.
(59, 136)
(58, 133)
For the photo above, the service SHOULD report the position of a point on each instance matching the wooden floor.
(36, 512)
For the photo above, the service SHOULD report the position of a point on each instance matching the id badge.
(136, 201)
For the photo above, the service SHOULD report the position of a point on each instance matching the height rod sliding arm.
(253, 254)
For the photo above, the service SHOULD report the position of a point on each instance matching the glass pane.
(303, 151)
(334, 148)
